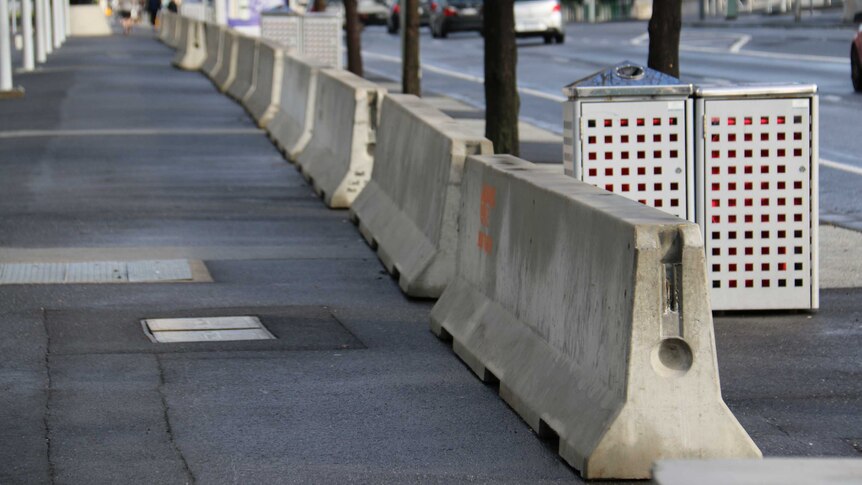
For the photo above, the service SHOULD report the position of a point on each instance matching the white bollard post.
(48, 28)
(40, 34)
(55, 16)
(27, 30)
(67, 17)
(5, 49)
(13, 16)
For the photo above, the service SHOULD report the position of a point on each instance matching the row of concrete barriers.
(590, 310)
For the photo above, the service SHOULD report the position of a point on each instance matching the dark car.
(856, 57)
(455, 16)
(394, 20)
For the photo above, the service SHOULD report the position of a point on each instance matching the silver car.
(540, 18)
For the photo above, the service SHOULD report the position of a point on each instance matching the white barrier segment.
(67, 17)
(48, 27)
(5, 49)
(263, 99)
(88, 21)
(177, 36)
(769, 471)
(183, 30)
(593, 313)
(39, 21)
(57, 17)
(213, 35)
(166, 26)
(409, 209)
(290, 128)
(339, 158)
(246, 56)
(192, 52)
(28, 60)
(224, 76)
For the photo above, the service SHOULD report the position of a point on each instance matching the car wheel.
(560, 38)
(548, 39)
(855, 70)
(443, 32)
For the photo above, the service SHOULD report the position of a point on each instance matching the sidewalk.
(820, 18)
(115, 156)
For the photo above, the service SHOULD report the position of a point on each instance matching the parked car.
(455, 16)
(371, 12)
(394, 19)
(856, 57)
(539, 18)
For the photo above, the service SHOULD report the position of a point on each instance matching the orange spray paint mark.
(488, 202)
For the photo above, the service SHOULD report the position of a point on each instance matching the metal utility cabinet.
(313, 35)
(757, 194)
(629, 129)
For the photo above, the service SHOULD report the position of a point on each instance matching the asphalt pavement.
(113, 155)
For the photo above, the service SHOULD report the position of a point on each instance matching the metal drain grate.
(207, 329)
(96, 272)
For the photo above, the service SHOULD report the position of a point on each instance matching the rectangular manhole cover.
(206, 329)
(154, 271)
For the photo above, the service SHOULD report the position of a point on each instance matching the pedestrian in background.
(125, 11)
(153, 7)
(173, 7)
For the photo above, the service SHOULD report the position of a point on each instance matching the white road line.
(739, 44)
(639, 40)
(463, 76)
(841, 166)
(130, 132)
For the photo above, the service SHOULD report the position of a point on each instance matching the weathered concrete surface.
(409, 209)
(290, 129)
(246, 59)
(592, 312)
(771, 471)
(192, 51)
(225, 73)
(339, 157)
(88, 21)
(213, 35)
(263, 97)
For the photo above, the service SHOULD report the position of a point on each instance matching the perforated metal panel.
(321, 39)
(758, 202)
(283, 29)
(640, 150)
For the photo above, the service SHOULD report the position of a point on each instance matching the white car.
(540, 18)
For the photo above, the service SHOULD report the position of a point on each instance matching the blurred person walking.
(124, 9)
(153, 7)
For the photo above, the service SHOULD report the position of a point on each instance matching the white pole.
(27, 30)
(5, 49)
(67, 17)
(55, 16)
(61, 14)
(13, 17)
(40, 34)
(48, 27)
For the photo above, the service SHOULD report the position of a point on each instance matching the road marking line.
(639, 40)
(130, 132)
(841, 166)
(739, 44)
(464, 77)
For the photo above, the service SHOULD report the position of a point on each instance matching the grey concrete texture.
(409, 209)
(772, 471)
(290, 128)
(246, 61)
(592, 312)
(213, 35)
(226, 71)
(263, 97)
(401, 409)
(339, 158)
(192, 50)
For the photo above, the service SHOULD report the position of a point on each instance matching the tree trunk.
(410, 75)
(354, 37)
(664, 28)
(501, 85)
(318, 6)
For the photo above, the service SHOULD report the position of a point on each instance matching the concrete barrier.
(191, 52)
(263, 98)
(246, 58)
(88, 21)
(776, 471)
(409, 209)
(338, 159)
(226, 71)
(176, 31)
(213, 36)
(290, 128)
(592, 313)
(166, 26)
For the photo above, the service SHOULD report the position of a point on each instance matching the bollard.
(39, 36)
(27, 30)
